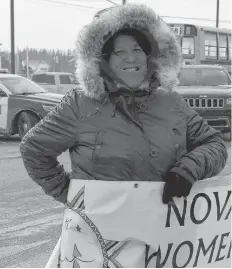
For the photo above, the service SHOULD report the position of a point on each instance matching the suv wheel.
(25, 122)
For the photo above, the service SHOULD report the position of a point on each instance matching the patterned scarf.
(125, 100)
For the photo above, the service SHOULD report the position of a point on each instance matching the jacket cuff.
(63, 196)
(183, 173)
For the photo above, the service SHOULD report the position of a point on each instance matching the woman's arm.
(44, 142)
(207, 154)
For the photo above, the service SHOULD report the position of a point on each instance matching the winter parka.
(103, 144)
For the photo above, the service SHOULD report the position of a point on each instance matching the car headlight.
(48, 107)
(228, 101)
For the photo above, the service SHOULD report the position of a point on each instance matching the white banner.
(125, 224)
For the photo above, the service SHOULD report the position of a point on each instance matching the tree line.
(54, 60)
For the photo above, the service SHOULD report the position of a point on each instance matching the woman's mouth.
(130, 69)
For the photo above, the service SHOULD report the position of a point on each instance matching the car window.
(46, 79)
(21, 85)
(65, 79)
(203, 77)
(2, 93)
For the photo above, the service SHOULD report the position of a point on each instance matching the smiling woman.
(126, 53)
(128, 61)
(123, 122)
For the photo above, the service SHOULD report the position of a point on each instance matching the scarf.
(124, 98)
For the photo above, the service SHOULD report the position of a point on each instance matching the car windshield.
(203, 77)
(21, 85)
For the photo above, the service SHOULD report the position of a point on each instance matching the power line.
(199, 19)
(80, 0)
(67, 4)
(86, 0)
(112, 2)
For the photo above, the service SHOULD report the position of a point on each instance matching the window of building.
(210, 45)
(223, 50)
(229, 46)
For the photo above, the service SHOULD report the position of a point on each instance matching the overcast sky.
(46, 24)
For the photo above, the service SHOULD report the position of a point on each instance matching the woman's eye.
(137, 49)
(118, 52)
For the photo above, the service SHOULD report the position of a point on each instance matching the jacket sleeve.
(40, 147)
(206, 151)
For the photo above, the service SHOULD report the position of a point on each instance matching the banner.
(125, 224)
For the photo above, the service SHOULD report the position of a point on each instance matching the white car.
(56, 82)
(23, 103)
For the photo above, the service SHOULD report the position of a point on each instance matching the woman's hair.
(140, 38)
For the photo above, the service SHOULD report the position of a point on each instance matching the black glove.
(175, 186)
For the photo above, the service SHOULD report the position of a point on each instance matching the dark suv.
(207, 89)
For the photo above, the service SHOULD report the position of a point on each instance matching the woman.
(124, 122)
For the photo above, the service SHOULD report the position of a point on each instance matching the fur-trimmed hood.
(92, 38)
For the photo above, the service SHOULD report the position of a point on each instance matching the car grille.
(205, 102)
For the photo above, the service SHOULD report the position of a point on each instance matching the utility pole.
(12, 37)
(0, 56)
(27, 61)
(217, 15)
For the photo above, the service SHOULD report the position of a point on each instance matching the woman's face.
(128, 61)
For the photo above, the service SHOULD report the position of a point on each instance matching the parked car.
(56, 82)
(4, 70)
(23, 103)
(207, 89)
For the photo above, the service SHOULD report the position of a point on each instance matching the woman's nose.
(130, 58)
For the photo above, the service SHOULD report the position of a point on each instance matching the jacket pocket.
(89, 145)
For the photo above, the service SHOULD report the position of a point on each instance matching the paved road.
(30, 222)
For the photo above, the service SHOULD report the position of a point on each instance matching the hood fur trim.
(92, 37)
